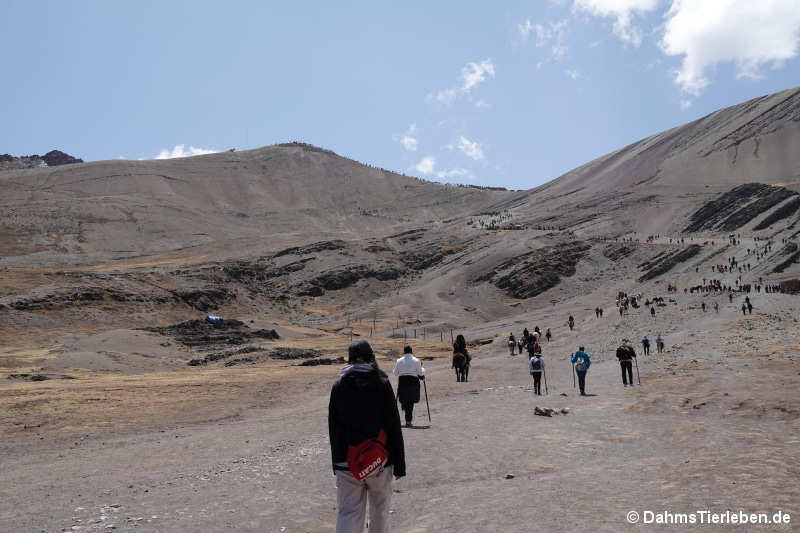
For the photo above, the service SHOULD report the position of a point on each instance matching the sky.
(509, 94)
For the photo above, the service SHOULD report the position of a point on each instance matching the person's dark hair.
(360, 351)
(460, 345)
(580, 348)
(407, 349)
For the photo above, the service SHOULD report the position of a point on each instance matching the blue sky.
(453, 91)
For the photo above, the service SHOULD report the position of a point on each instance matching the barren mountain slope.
(651, 185)
(93, 212)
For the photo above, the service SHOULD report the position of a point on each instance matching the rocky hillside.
(52, 158)
(270, 198)
(651, 185)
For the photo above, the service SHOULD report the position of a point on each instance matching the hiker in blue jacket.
(581, 362)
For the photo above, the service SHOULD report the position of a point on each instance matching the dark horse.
(461, 358)
(461, 364)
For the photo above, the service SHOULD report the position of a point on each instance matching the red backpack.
(368, 457)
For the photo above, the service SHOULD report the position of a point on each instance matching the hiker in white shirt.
(409, 372)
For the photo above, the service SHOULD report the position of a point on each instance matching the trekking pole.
(637, 372)
(425, 386)
(544, 371)
(573, 375)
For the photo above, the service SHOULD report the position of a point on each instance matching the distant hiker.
(571, 322)
(744, 309)
(601, 312)
(512, 343)
(409, 372)
(646, 345)
(461, 358)
(620, 310)
(653, 311)
(716, 307)
(525, 334)
(534, 348)
(521, 346)
(366, 440)
(730, 297)
(625, 354)
(659, 344)
(547, 334)
(536, 366)
(703, 305)
(597, 312)
(581, 363)
(749, 307)
(537, 331)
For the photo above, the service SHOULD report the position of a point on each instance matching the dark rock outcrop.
(737, 207)
(199, 333)
(285, 353)
(55, 158)
(792, 251)
(311, 248)
(51, 159)
(205, 299)
(210, 358)
(786, 210)
(617, 251)
(345, 276)
(535, 272)
(60, 300)
(667, 262)
(323, 361)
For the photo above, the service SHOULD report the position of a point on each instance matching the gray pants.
(351, 497)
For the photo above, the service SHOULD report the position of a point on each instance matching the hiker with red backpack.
(366, 441)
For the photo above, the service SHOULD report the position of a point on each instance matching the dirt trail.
(698, 439)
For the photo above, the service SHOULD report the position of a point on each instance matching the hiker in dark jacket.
(362, 404)
(625, 354)
(581, 363)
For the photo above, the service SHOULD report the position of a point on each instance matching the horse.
(461, 365)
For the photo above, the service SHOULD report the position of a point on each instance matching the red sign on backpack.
(368, 457)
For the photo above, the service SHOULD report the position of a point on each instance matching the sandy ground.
(713, 426)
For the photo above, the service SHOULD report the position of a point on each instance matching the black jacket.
(361, 404)
(625, 353)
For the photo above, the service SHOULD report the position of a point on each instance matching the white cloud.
(623, 12)
(447, 96)
(686, 104)
(471, 149)
(409, 143)
(553, 35)
(426, 166)
(525, 29)
(472, 75)
(748, 33)
(408, 140)
(181, 151)
(483, 104)
(574, 74)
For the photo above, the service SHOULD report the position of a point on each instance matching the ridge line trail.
(707, 430)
